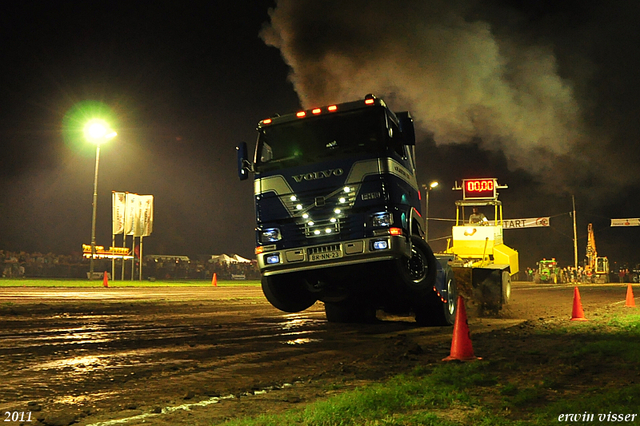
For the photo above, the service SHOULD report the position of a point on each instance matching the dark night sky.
(542, 95)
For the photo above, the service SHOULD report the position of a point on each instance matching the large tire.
(436, 311)
(287, 292)
(506, 287)
(418, 273)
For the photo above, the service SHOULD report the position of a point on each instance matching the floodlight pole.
(426, 217)
(96, 132)
(93, 216)
(427, 190)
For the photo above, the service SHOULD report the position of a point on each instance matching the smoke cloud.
(467, 70)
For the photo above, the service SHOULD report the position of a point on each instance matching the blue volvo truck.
(338, 215)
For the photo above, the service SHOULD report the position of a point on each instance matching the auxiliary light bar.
(318, 111)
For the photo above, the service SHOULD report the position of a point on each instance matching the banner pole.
(140, 258)
(113, 258)
(133, 261)
(124, 245)
(113, 233)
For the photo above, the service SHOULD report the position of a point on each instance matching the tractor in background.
(548, 272)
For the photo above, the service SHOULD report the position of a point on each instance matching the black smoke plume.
(551, 86)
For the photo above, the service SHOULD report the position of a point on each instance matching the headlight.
(381, 219)
(380, 244)
(272, 258)
(270, 235)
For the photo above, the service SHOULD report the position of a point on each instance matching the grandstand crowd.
(50, 265)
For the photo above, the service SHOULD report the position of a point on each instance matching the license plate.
(325, 256)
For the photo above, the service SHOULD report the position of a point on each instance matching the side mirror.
(406, 127)
(243, 161)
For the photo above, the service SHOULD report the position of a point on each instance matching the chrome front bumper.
(339, 253)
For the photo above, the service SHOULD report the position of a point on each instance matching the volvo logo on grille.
(318, 175)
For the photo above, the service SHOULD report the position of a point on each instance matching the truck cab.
(338, 215)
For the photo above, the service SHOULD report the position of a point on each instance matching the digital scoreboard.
(482, 189)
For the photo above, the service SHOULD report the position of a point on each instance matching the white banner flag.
(625, 222)
(138, 217)
(132, 212)
(531, 222)
(118, 212)
(144, 226)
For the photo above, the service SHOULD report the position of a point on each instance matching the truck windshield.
(317, 138)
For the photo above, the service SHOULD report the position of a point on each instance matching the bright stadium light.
(97, 131)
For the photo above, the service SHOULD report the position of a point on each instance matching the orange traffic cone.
(214, 280)
(105, 279)
(461, 348)
(578, 313)
(631, 302)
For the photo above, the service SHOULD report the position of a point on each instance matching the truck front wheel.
(418, 273)
(287, 292)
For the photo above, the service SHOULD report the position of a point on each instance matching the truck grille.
(318, 207)
(322, 228)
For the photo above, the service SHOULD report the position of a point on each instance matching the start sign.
(484, 188)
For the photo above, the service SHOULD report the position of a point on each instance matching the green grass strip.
(13, 282)
(452, 394)
(402, 400)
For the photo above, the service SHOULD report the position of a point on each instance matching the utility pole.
(575, 234)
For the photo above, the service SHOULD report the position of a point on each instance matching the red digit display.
(479, 188)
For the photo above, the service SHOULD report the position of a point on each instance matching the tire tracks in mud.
(101, 355)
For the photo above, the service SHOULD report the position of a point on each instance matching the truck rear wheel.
(287, 292)
(438, 311)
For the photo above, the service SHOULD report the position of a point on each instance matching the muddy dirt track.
(201, 355)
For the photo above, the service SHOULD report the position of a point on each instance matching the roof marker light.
(316, 111)
(369, 101)
(267, 121)
(332, 108)
(300, 114)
